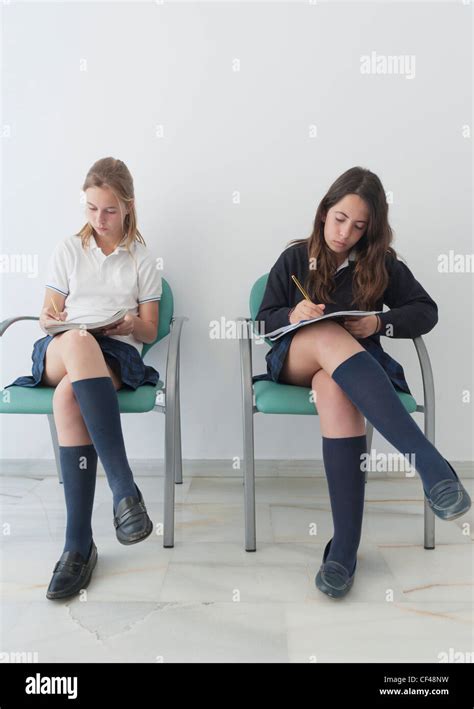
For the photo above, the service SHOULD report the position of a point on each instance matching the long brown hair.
(114, 174)
(370, 275)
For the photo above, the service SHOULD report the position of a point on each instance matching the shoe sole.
(456, 514)
(56, 595)
(451, 517)
(128, 542)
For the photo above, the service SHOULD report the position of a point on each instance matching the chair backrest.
(166, 315)
(256, 295)
(255, 300)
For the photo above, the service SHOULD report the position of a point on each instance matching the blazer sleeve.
(275, 308)
(412, 311)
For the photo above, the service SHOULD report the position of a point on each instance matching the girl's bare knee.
(54, 369)
(325, 332)
(74, 338)
(316, 337)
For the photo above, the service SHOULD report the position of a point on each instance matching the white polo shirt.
(96, 285)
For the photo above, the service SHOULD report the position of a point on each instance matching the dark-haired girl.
(348, 264)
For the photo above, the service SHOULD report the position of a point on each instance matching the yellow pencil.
(298, 284)
(54, 306)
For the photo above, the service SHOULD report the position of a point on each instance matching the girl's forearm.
(143, 331)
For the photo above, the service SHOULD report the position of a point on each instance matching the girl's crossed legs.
(87, 418)
(353, 385)
(86, 407)
(315, 351)
(72, 356)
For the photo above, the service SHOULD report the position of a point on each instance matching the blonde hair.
(115, 175)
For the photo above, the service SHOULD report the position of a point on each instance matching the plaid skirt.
(122, 358)
(276, 357)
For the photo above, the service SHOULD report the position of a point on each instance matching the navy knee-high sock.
(367, 385)
(346, 483)
(98, 402)
(78, 469)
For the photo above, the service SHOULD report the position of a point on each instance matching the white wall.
(171, 64)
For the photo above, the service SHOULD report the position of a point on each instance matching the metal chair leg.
(178, 461)
(249, 483)
(172, 429)
(170, 448)
(428, 409)
(54, 439)
(248, 437)
(429, 516)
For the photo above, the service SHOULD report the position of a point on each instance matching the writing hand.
(306, 310)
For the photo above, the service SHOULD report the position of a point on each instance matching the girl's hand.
(305, 310)
(123, 327)
(48, 317)
(361, 327)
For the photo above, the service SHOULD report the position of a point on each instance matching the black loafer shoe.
(131, 520)
(449, 499)
(333, 578)
(72, 573)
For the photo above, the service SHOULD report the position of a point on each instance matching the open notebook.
(89, 326)
(279, 332)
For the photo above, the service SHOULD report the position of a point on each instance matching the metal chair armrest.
(172, 360)
(428, 386)
(244, 336)
(5, 324)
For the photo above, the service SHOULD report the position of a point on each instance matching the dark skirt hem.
(275, 359)
(123, 359)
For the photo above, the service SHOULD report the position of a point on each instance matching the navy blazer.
(412, 310)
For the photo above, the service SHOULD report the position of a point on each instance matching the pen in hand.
(305, 309)
(58, 314)
(54, 306)
(50, 315)
(298, 285)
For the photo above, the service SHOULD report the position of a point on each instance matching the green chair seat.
(39, 400)
(277, 398)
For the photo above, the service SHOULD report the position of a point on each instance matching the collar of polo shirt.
(94, 245)
(345, 263)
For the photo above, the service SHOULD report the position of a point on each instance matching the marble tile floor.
(208, 600)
